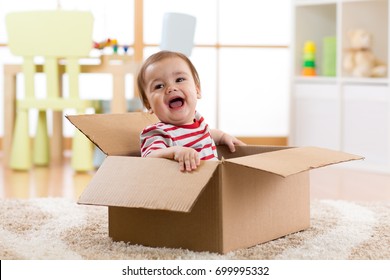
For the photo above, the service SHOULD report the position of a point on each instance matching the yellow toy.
(359, 61)
(309, 66)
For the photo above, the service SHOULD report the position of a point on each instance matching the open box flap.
(246, 150)
(294, 160)
(150, 183)
(114, 134)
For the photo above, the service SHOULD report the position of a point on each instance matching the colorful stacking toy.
(309, 66)
(110, 43)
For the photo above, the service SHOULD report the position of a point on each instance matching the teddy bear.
(359, 61)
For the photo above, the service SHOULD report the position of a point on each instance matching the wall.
(243, 61)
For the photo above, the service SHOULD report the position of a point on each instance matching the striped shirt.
(196, 135)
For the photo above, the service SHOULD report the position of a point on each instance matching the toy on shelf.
(329, 56)
(309, 52)
(359, 60)
(110, 43)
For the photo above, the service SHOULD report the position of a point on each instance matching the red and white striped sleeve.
(152, 138)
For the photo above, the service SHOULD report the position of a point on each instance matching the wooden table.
(114, 65)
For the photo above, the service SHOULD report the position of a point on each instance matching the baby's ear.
(150, 111)
(198, 93)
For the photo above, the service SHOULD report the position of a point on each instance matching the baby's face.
(171, 91)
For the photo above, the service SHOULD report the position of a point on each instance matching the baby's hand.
(188, 158)
(230, 141)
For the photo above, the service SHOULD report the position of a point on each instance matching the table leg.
(118, 103)
(9, 113)
(56, 145)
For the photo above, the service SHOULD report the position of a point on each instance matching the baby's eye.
(158, 86)
(178, 80)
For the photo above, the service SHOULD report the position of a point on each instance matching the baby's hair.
(156, 58)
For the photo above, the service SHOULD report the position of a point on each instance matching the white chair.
(178, 33)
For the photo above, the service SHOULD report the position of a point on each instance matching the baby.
(169, 86)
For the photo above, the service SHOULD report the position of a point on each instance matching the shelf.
(316, 20)
(356, 1)
(300, 3)
(313, 23)
(367, 81)
(316, 79)
(313, 3)
(368, 15)
(342, 112)
(347, 80)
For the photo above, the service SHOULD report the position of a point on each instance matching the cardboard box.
(248, 197)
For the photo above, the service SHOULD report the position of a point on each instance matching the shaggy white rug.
(56, 228)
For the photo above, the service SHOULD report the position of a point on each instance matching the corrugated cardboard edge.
(247, 150)
(114, 134)
(148, 183)
(294, 160)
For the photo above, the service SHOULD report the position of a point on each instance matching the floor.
(62, 181)
(53, 181)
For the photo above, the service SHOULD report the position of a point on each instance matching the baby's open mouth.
(176, 102)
